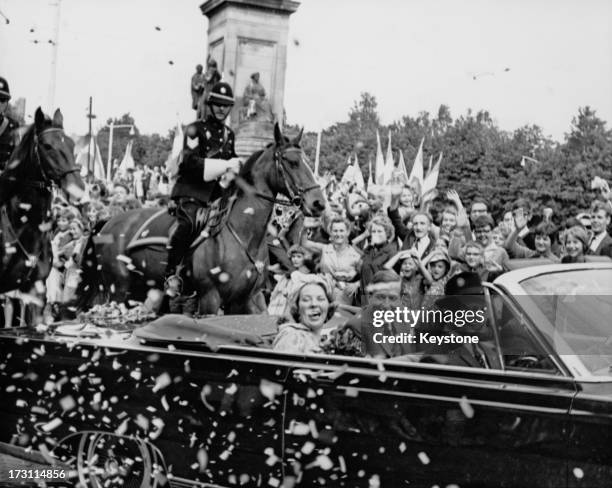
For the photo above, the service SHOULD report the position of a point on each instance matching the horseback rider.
(7, 125)
(209, 163)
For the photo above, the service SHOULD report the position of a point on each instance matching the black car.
(172, 407)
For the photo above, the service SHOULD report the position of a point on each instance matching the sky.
(525, 61)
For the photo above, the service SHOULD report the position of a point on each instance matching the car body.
(173, 410)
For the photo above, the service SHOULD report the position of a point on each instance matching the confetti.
(54, 424)
(578, 473)
(466, 408)
(249, 211)
(423, 457)
(202, 459)
(162, 382)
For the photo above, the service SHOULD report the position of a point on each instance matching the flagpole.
(317, 153)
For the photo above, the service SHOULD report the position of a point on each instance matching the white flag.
(379, 163)
(416, 174)
(389, 164)
(431, 181)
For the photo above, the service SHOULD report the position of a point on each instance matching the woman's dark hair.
(547, 229)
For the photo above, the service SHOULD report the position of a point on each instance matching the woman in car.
(309, 309)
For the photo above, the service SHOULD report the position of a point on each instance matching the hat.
(297, 249)
(437, 255)
(5, 93)
(221, 94)
(382, 280)
(461, 289)
(255, 75)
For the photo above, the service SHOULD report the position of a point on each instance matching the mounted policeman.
(208, 165)
(8, 138)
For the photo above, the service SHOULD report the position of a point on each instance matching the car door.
(142, 412)
(363, 422)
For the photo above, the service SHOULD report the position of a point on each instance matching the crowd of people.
(384, 242)
(72, 227)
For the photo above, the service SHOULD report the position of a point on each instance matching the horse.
(126, 260)
(43, 158)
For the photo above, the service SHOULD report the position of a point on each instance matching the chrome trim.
(510, 406)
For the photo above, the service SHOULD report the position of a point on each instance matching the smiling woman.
(310, 308)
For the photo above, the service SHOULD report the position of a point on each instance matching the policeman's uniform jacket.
(7, 139)
(203, 139)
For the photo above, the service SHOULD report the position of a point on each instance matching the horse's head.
(53, 153)
(290, 175)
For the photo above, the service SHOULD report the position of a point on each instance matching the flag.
(431, 181)
(416, 174)
(89, 152)
(316, 164)
(429, 166)
(379, 163)
(359, 181)
(389, 164)
(173, 161)
(402, 169)
(370, 177)
(126, 163)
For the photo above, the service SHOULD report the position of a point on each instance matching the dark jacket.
(374, 258)
(203, 139)
(7, 139)
(406, 235)
(604, 248)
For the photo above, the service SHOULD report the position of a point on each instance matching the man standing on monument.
(208, 164)
(211, 78)
(197, 86)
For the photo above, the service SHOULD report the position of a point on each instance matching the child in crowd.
(289, 283)
(435, 276)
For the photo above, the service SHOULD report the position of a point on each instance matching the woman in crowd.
(309, 309)
(380, 248)
(546, 236)
(339, 260)
(575, 244)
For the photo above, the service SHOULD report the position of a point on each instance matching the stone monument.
(247, 38)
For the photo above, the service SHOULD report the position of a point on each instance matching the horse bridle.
(47, 182)
(296, 193)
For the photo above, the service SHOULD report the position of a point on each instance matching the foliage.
(480, 159)
(150, 150)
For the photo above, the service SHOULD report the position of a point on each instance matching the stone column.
(247, 36)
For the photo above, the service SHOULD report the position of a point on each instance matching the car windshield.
(579, 305)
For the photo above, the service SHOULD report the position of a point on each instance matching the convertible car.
(209, 404)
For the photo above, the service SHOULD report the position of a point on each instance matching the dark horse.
(229, 267)
(43, 158)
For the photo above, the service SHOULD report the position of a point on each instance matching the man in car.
(464, 292)
(362, 336)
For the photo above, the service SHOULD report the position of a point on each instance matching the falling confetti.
(466, 408)
(578, 473)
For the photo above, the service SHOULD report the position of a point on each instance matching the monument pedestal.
(253, 136)
(248, 36)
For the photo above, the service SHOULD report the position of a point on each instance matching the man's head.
(199, 68)
(385, 289)
(5, 96)
(421, 223)
(483, 225)
(255, 77)
(479, 207)
(474, 254)
(221, 100)
(600, 217)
